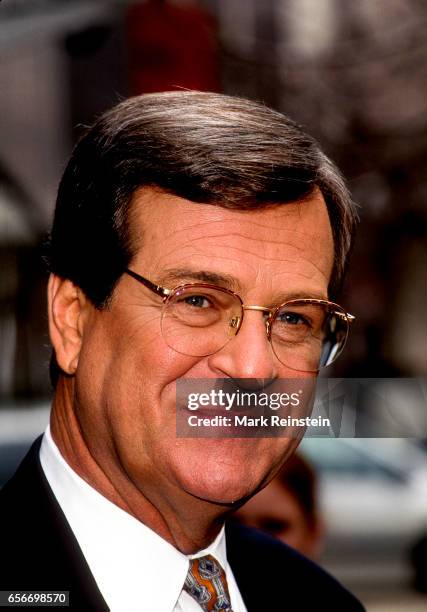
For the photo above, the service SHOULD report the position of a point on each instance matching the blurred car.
(373, 496)
(371, 487)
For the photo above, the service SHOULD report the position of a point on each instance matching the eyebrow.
(300, 295)
(187, 274)
(172, 275)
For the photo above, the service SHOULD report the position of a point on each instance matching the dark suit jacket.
(40, 552)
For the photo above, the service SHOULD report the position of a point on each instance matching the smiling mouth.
(207, 412)
(212, 411)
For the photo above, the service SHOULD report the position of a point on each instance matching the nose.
(248, 354)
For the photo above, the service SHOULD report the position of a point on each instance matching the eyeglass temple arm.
(162, 291)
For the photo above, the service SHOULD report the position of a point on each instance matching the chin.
(229, 470)
(222, 480)
(228, 493)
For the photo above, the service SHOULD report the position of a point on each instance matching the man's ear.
(67, 305)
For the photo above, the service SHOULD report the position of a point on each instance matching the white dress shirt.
(135, 569)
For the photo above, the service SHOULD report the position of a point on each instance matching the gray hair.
(205, 147)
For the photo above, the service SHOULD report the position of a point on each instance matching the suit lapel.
(41, 549)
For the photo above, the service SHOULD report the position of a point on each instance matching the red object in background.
(171, 47)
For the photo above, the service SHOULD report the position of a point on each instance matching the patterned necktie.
(207, 584)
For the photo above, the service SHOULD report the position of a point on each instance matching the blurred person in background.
(287, 508)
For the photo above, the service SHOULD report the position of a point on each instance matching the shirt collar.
(128, 559)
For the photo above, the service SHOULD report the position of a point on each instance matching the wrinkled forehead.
(165, 228)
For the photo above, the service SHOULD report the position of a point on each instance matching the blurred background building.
(353, 73)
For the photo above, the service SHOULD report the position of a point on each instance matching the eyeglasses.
(198, 319)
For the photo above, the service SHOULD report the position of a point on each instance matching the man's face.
(126, 377)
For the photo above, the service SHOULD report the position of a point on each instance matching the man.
(171, 205)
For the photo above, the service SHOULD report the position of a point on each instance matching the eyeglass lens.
(306, 336)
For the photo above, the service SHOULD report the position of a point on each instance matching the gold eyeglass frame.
(236, 322)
